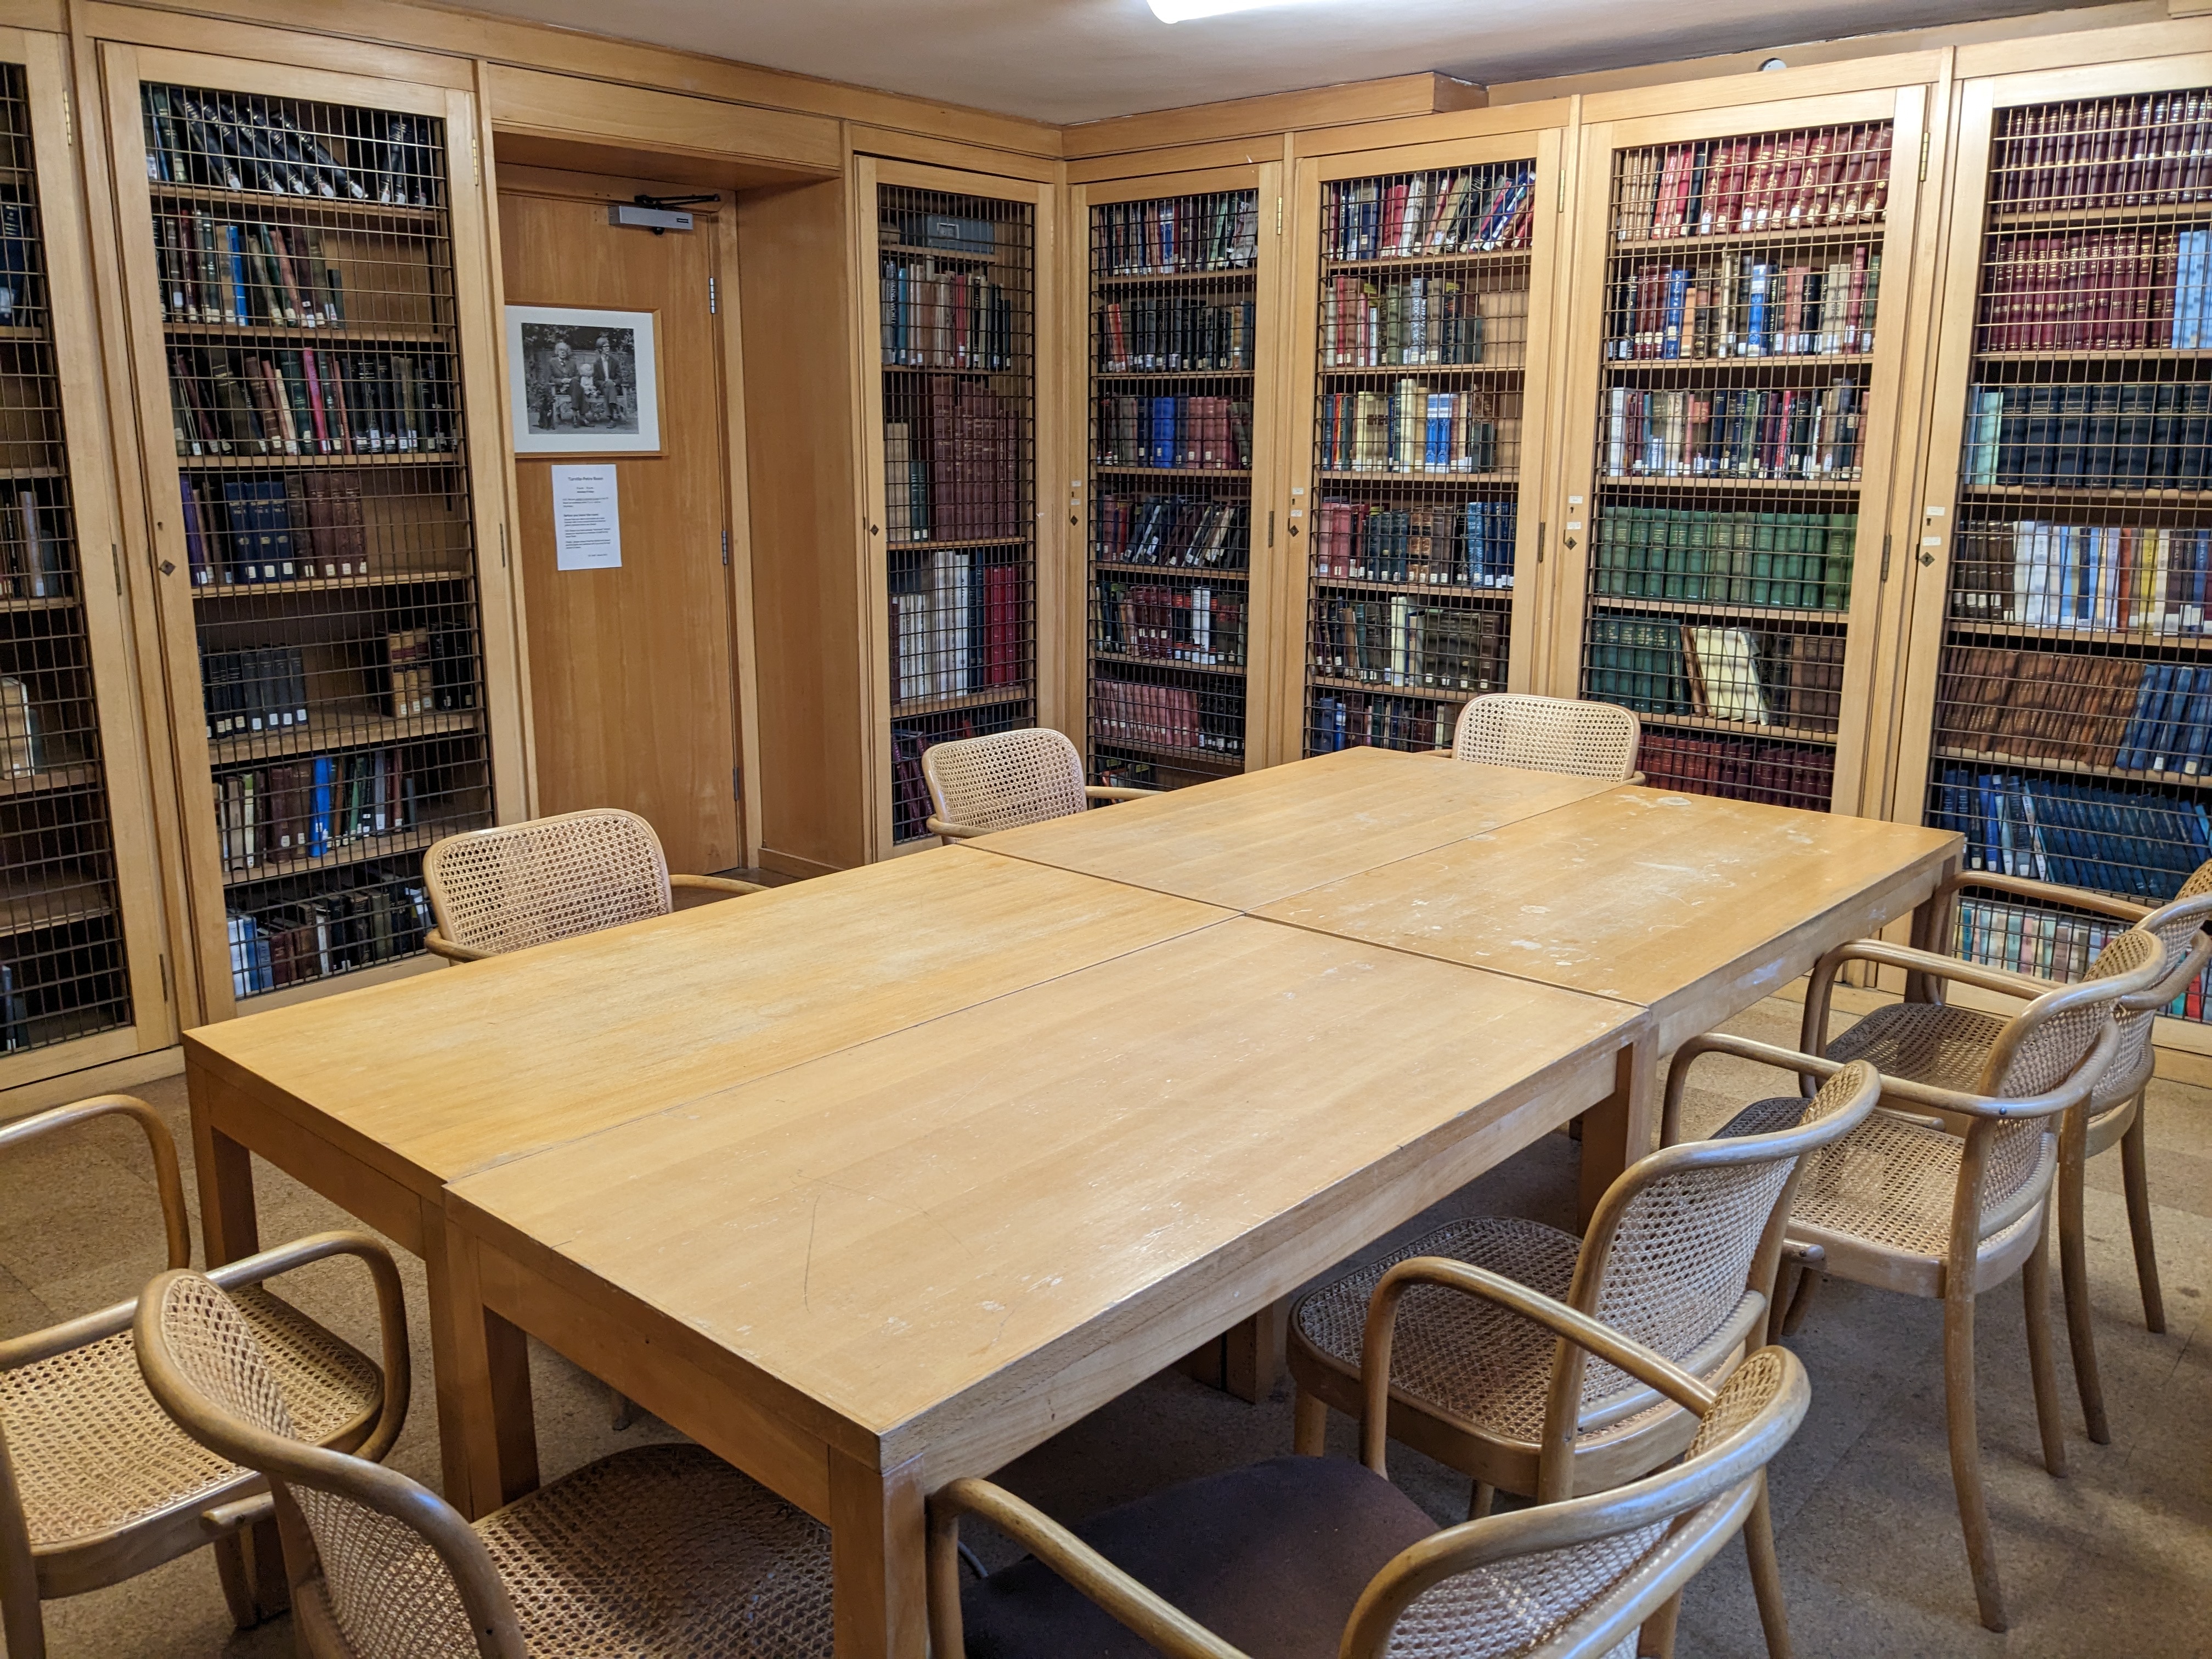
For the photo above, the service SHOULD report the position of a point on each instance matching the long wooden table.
(884, 1178)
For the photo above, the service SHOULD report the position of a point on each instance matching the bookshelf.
(1735, 384)
(300, 251)
(1174, 329)
(953, 423)
(1426, 279)
(2061, 709)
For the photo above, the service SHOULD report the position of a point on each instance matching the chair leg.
(1800, 1301)
(1966, 1453)
(1309, 1425)
(1657, 1639)
(2035, 1291)
(23, 1624)
(621, 1411)
(2137, 1179)
(1480, 1500)
(1766, 1574)
(2074, 1275)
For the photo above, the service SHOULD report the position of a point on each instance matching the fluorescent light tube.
(1182, 11)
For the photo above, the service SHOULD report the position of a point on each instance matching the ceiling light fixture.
(1183, 11)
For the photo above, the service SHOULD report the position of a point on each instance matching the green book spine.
(1762, 560)
(1843, 538)
(1697, 562)
(1739, 555)
(1676, 555)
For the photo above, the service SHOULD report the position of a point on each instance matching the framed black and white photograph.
(583, 382)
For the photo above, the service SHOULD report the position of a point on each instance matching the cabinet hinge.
(68, 120)
(502, 543)
(476, 159)
(1539, 541)
(737, 783)
(1562, 206)
(1885, 561)
(165, 978)
(1278, 215)
(1924, 139)
(115, 554)
(1271, 526)
(725, 547)
(712, 297)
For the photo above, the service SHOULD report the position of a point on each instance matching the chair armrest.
(946, 831)
(439, 946)
(2048, 892)
(1635, 778)
(1115, 792)
(715, 885)
(2027, 987)
(1807, 1067)
(1154, 1619)
(167, 1181)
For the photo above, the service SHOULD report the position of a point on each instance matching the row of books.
(1187, 531)
(953, 466)
(1176, 234)
(1187, 331)
(1398, 641)
(21, 262)
(1739, 768)
(1717, 672)
(282, 816)
(2143, 151)
(2134, 434)
(245, 275)
(1739, 432)
(2108, 291)
(15, 1013)
(2111, 578)
(1138, 715)
(1781, 560)
(1470, 546)
(380, 919)
(34, 546)
(255, 689)
(1205, 434)
(1360, 720)
(939, 319)
(2109, 713)
(1777, 181)
(1462, 211)
(1744, 307)
(959, 623)
(1409, 428)
(230, 402)
(242, 531)
(1418, 319)
(1198, 624)
(2055, 945)
(258, 689)
(2077, 833)
(227, 141)
(22, 729)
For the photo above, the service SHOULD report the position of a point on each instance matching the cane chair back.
(521, 884)
(663, 1549)
(1006, 779)
(1549, 734)
(2178, 927)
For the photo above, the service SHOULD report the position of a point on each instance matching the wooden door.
(630, 675)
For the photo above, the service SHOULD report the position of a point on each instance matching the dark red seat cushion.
(1270, 1558)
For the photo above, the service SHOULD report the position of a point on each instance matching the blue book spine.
(195, 536)
(1163, 432)
(318, 823)
(1754, 344)
(2133, 752)
(241, 312)
(1678, 295)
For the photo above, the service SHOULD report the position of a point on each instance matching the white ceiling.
(1078, 60)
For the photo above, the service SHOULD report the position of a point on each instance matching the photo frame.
(583, 381)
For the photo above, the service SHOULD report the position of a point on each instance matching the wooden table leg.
(1622, 1127)
(878, 1553)
(1252, 1356)
(1932, 931)
(487, 1428)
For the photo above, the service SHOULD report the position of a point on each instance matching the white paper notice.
(587, 519)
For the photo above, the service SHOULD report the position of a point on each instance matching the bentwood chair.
(1906, 1203)
(1550, 735)
(519, 884)
(660, 1551)
(1680, 1255)
(1312, 1557)
(97, 1486)
(977, 784)
(2113, 1114)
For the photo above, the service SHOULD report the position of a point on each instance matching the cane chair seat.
(1929, 1043)
(95, 1453)
(1548, 734)
(661, 1550)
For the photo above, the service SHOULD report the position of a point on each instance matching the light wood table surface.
(920, 1256)
(378, 1098)
(1246, 841)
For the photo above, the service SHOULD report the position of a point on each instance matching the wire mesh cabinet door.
(307, 298)
(1421, 342)
(1179, 323)
(80, 911)
(953, 327)
(1733, 399)
(2058, 704)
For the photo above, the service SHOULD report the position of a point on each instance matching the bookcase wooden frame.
(124, 67)
(100, 597)
(1533, 577)
(1270, 597)
(1574, 509)
(1935, 493)
(1053, 583)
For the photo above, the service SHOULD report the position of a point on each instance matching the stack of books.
(2102, 713)
(2054, 944)
(1721, 673)
(1744, 307)
(1421, 215)
(241, 531)
(241, 143)
(952, 472)
(958, 625)
(1785, 561)
(1177, 233)
(944, 319)
(247, 275)
(2139, 578)
(381, 920)
(1451, 650)
(1470, 546)
(1194, 623)
(1205, 433)
(2074, 833)
(1141, 715)
(1735, 432)
(2108, 291)
(1739, 768)
(1354, 719)
(1191, 531)
(1186, 331)
(225, 402)
(1779, 181)
(279, 818)
(2146, 150)
(2115, 436)
(1411, 428)
(1410, 319)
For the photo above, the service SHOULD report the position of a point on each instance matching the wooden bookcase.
(1733, 399)
(1181, 279)
(1421, 345)
(2059, 697)
(81, 981)
(954, 268)
(306, 288)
